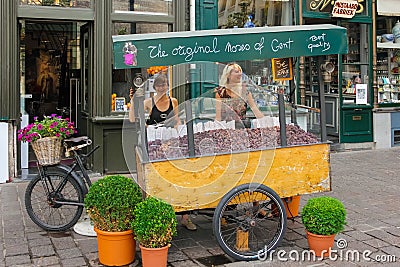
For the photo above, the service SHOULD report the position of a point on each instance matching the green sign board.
(223, 45)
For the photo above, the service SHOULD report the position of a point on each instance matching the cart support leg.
(242, 240)
(282, 118)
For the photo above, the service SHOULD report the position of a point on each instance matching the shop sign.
(344, 9)
(120, 104)
(282, 69)
(361, 94)
(224, 45)
(327, 6)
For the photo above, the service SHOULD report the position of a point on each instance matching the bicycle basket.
(47, 150)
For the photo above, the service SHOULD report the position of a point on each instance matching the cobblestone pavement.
(368, 183)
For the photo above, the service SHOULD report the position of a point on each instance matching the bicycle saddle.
(77, 139)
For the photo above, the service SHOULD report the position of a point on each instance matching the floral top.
(232, 108)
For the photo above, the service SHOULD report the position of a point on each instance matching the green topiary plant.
(111, 201)
(324, 216)
(155, 223)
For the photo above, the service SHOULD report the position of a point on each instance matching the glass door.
(86, 63)
(356, 86)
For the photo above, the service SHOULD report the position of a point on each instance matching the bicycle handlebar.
(88, 142)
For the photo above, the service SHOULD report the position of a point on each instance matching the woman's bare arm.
(217, 107)
(146, 105)
(254, 106)
(131, 114)
(176, 110)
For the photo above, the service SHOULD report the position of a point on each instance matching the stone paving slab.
(367, 182)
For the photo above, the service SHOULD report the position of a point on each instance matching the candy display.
(222, 141)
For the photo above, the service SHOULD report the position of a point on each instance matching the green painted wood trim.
(102, 61)
(348, 107)
(224, 44)
(9, 70)
(384, 105)
(206, 14)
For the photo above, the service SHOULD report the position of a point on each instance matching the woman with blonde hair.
(233, 97)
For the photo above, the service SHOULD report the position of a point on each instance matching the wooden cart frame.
(244, 188)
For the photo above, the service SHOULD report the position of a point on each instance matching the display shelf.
(388, 80)
(388, 45)
(352, 64)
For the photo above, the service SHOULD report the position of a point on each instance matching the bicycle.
(54, 198)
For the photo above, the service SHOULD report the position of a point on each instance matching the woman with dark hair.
(160, 108)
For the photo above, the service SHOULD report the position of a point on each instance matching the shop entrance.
(50, 67)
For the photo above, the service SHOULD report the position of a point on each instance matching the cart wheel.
(249, 222)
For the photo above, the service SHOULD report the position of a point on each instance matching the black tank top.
(157, 116)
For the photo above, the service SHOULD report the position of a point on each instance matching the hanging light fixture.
(327, 68)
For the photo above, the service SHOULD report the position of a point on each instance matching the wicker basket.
(47, 150)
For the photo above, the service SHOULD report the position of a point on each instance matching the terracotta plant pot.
(154, 257)
(320, 243)
(292, 206)
(116, 248)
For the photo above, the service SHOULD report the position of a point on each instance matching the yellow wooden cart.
(243, 188)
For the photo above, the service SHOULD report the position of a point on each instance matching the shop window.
(388, 62)
(154, 6)
(122, 79)
(262, 12)
(57, 3)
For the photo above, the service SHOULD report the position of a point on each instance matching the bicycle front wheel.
(249, 222)
(42, 195)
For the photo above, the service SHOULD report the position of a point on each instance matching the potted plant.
(323, 217)
(46, 135)
(110, 204)
(154, 226)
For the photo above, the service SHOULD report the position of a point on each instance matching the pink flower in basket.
(49, 126)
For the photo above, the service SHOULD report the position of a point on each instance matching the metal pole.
(189, 125)
(374, 80)
(282, 119)
(139, 103)
(321, 95)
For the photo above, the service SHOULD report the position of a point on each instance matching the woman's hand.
(254, 107)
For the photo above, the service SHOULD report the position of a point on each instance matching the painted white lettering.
(189, 52)
(276, 45)
(233, 48)
(319, 42)
(156, 51)
(260, 45)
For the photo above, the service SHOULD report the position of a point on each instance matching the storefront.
(386, 114)
(58, 58)
(349, 84)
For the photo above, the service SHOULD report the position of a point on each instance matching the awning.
(223, 45)
(388, 8)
